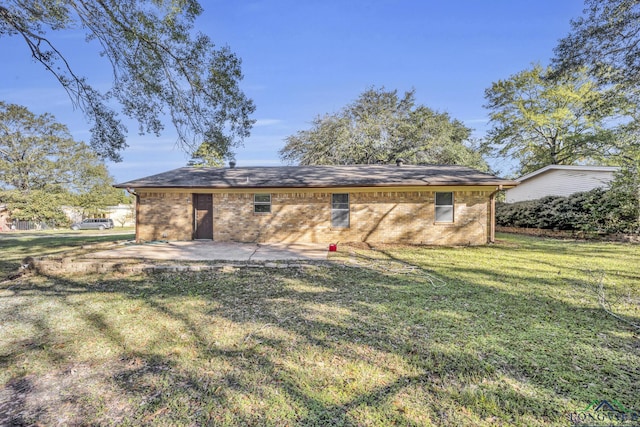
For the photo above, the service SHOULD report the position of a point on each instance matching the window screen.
(340, 210)
(444, 207)
(262, 203)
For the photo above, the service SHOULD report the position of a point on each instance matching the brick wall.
(165, 216)
(383, 216)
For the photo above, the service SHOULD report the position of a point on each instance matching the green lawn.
(15, 246)
(507, 334)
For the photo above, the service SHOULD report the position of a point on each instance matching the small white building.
(560, 180)
(123, 215)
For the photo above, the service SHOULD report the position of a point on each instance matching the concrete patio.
(215, 251)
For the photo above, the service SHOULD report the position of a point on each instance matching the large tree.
(626, 186)
(539, 120)
(606, 40)
(161, 66)
(39, 156)
(379, 127)
(37, 153)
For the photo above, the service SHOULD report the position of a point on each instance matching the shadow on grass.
(15, 248)
(315, 346)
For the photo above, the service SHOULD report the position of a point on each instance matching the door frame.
(195, 197)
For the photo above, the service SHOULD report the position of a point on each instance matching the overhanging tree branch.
(159, 67)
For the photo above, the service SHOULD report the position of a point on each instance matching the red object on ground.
(333, 247)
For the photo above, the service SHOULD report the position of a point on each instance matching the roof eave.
(505, 185)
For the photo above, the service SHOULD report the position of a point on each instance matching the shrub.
(597, 210)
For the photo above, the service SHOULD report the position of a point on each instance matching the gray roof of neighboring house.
(582, 168)
(317, 177)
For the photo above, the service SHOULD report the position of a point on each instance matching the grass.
(15, 246)
(508, 334)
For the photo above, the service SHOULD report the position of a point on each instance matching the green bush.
(598, 210)
(36, 205)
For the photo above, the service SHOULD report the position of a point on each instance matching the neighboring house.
(436, 205)
(560, 180)
(123, 215)
(73, 213)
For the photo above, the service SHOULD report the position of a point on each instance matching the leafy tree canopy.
(206, 154)
(37, 153)
(98, 197)
(539, 120)
(42, 167)
(606, 40)
(161, 66)
(37, 205)
(380, 127)
(626, 186)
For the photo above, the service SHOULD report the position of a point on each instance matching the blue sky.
(301, 59)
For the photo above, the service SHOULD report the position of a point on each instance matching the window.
(340, 210)
(444, 207)
(262, 203)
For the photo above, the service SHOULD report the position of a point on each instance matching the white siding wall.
(558, 183)
(122, 214)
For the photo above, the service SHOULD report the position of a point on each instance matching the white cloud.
(267, 122)
(472, 121)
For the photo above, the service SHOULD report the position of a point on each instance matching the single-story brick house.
(435, 205)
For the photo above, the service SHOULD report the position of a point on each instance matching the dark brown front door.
(203, 205)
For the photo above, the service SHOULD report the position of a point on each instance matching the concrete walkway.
(216, 251)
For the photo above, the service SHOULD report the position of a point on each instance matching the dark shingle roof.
(317, 177)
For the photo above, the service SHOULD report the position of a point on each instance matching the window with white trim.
(340, 210)
(444, 206)
(262, 203)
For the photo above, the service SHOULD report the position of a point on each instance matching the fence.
(32, 225)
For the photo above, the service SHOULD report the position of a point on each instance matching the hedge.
(598, 210)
